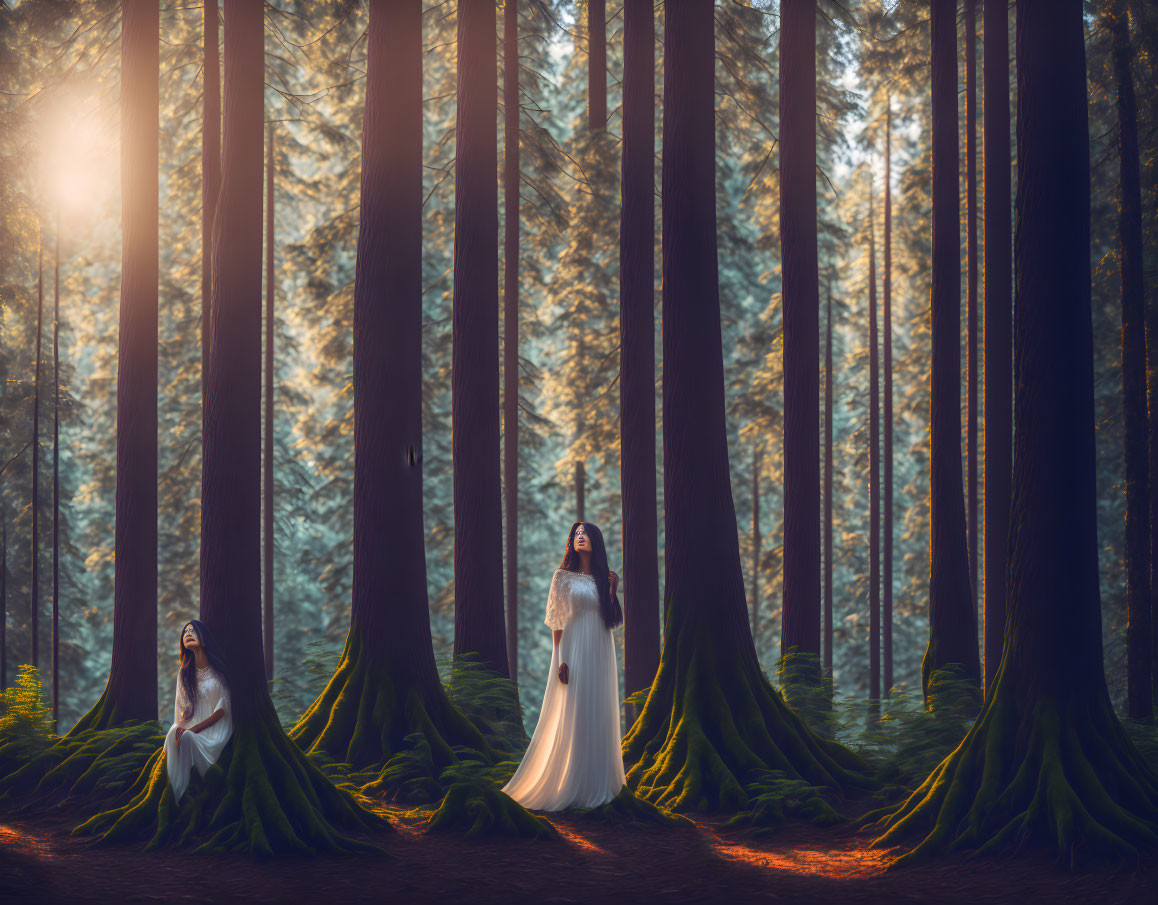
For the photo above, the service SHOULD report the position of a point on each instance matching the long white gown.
(574, 758)
(200, 748)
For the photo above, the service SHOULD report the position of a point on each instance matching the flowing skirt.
(574, 758)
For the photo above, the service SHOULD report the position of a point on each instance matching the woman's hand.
(613, 580)
(181, 730)
(563, 673)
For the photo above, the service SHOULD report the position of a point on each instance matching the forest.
(834, 323)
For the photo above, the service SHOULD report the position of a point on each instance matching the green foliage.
(775, 797)
(910, 740)
(807, 689)
(627, 807)
(1144, 735)
(489, 700)
(483, 810)
(295, 689)
(25, 720)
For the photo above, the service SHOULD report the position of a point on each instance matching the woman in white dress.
(201, 721)
(574, 758)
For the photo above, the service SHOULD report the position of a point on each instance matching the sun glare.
(78, 156)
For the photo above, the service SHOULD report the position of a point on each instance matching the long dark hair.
(608, 603)
(188, 674)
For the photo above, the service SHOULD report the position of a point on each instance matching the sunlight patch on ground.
(835, 863)
(575, 839)
(25, 842)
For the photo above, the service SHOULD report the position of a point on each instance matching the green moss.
(481, 809)
(263, 797)
(627, 807)
(1062, 777)
(775, 798)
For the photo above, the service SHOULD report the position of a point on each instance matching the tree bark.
(874, 481)
(210, 177)
(597, 65)
(711, 715)
(829, 409)
(478, 562)
(887, 367)
(1047, 763)
(267, 438)
(512, 100)
(970, 11)
(641, 637)
(1139, 655)
(952, 616)
(56, 480)
(34, 596)
(756, 546)
(131, 692)
(800, 627)
(386, 685)
(998, 330)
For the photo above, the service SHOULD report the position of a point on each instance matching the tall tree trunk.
(800, 626)
(580, 489)
(952, 616)
(637, 350)
(1139, 655)
(1047, 763)
(267, 452)
(271, 797)
(829, 409)
(756, 546)
(34, 597)
(970, 12)
(887, 367)
(998, 330)
(874, 482)
(131, 692)
(56, 480)
(512, 100)
(711, 715)
(3, 599)
(478, 561)
(597, 65)
(210, 176)
(387, 685)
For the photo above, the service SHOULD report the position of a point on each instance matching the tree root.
(627, 807)
(365, 714)
(263, 797)
(482, 809)
(708, 729)
(92, 762)
(1062, 776)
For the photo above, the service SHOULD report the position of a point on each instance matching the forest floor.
(634, 864)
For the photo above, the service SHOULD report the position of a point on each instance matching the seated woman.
(201, 722)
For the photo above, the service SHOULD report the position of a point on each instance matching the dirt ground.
(594, 863)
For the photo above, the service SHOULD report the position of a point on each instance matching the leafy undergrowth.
(775, 799)
(25, 720)
(627, 807)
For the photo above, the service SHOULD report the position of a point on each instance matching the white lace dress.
(197, 748)
(574, 759)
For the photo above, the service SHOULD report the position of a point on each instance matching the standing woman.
(574, 758)
(201, 721)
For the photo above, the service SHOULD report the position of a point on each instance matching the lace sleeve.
(558, 605)
(180, 701)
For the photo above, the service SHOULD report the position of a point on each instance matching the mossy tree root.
(710, 726)
(1064, 778)
(80, 762)
(627, 807)
(366, 711)
(484, 810)
(263, 796)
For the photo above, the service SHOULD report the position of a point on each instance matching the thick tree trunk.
(829, 408)
(637, 350)
(267, 452)
(998, 330)
(874, 482)
(3, 599)
(952, 616)
(478, 561)
(1139, 656)
(210, 176)
(511, 106)
(887, 366)
(800, 627)
(1047, 763)
(597, 65)
(263, 795)
(711, 717)
(970, 13)
(131, 692)
(387, 685)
